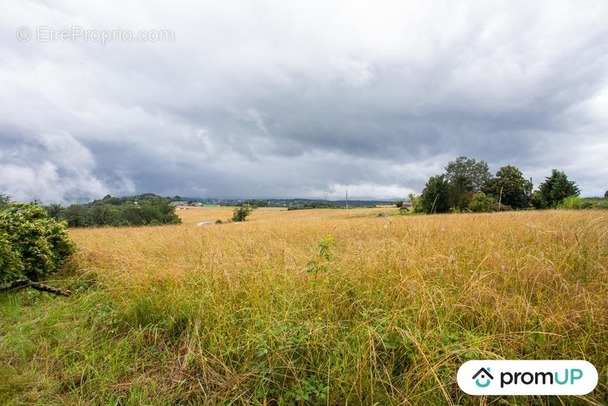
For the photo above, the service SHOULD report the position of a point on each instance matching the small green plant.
(241, 213)
(11, 266)
(310, 390)
(577, 203)
(324, 256)
(571, 203)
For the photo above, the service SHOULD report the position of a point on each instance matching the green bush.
(241, 213)
(571, 202)
(416, 203)
(32, 245)
(575, 203)
(11, 266)
(480, 203)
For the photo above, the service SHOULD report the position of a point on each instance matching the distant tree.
(555, 188)
(54, 210)
(115, 201)
(399, 203)
(509, 187)
(241, 213)
(5, 200)
(465, 175)
(435, 196)
(132, 215)
(142, 210)
(255, 203)
(535, 199)
(101, 214)
(76, 215)
(415, 203)
(606, 195)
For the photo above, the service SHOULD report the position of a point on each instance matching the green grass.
(229, 314)
(594, 203)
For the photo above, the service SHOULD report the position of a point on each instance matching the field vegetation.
(310, 307)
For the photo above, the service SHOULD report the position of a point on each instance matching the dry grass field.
(310, 307)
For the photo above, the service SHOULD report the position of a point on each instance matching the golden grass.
(403, 303)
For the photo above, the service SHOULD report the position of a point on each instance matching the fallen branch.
(36, 285)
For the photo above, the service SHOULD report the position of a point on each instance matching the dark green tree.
(509, 187)
(76, 215)
(436, 195)
(554, 189)
(465, 176)
(54, 210)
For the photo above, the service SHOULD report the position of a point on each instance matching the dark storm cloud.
(281, 99)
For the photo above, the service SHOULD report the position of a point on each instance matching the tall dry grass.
(230, 313)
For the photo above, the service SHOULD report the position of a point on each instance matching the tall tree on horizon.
(555, 188)
(510, 187)
(465, 176)
(435, 196)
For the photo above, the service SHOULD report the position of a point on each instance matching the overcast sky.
(296, 98)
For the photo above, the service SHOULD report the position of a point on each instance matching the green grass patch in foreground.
(385, 326)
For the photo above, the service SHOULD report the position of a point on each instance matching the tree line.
(468, 185)
(141, 210)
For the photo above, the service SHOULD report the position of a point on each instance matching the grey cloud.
(302, 98)
(52, 167)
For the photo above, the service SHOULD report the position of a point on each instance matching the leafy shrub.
(32, 245)
(241, 213)
(571, 202)
(11, 267)
(416, 203)
(481, 203)
(575, 203)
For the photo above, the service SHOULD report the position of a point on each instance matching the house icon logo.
(483, 378)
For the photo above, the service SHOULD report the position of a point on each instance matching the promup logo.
(527, 377)
(483, 375)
